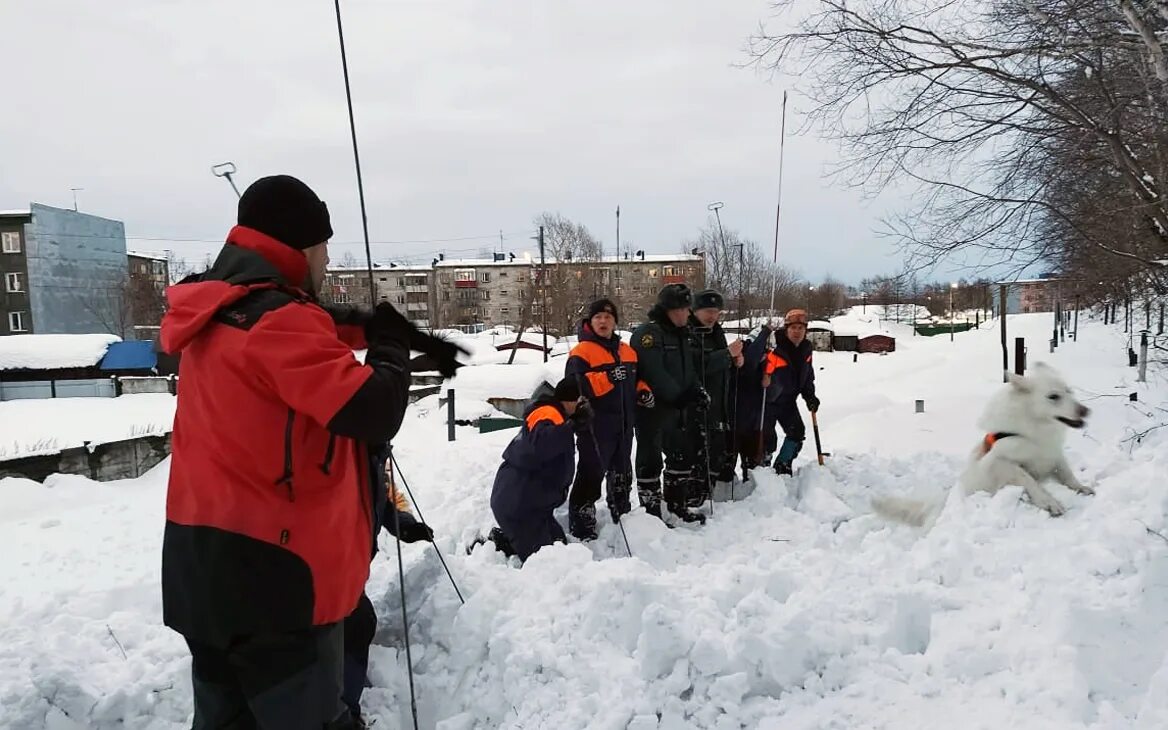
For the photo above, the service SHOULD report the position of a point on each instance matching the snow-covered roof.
(50, 352)
(145, 255)
(15, 213)
(819, 324)
(528, 258)
(1029, 281)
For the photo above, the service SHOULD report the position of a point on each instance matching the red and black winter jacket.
(269, 514)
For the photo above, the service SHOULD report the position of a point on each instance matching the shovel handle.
(818, 445)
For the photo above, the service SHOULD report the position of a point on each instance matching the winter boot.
(698, 492)
(582, 522)
(620, 486)
(649, 492)
(788, 452)
(675, 498)
(783, 468)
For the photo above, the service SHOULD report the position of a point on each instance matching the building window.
(503, 293)
(10, 241)
(16, 322)
(668, 271)
(485, 294)
(504, 311)
(652, 273)
(341, 296)
(502, 274)
(13, 283)
(465, 275)
(446, 296)
(522, 278)
(486, 277)
(401, 298)
(401, 282)
(383, 279)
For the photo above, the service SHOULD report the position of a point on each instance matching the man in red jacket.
(269, 512)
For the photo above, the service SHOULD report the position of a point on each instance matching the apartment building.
(407, 287)
(63, 272)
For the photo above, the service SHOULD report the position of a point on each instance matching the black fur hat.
(675, 296)
(708, 299)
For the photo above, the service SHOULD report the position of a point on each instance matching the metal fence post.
(450, 414)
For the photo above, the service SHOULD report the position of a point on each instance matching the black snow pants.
(280, 681)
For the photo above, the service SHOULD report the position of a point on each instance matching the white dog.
(1025, 429)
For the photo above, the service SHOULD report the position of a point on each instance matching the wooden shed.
(877, 344)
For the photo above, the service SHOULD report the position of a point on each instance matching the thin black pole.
(394, 463)
(543, 289)
(357, 163)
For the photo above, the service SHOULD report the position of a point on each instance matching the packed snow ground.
(794, 608)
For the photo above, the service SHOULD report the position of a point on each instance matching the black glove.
(582, 417)
(444, 352)
(415, 532)
(618, 373)
(388, 324)
(812, 402)
(646, 399)
(696, 396)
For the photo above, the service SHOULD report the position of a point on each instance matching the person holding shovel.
(787, 374)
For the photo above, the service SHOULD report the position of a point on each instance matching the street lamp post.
(864, 296)
(717, 206)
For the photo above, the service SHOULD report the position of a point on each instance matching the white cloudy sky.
(472, 118)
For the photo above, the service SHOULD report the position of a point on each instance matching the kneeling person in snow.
(393, 514)
(606, 369)
(537, 468)
(788, 374)
(269, 507)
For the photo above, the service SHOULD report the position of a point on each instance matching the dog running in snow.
(1025, 425)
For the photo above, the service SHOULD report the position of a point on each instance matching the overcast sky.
(472, 118)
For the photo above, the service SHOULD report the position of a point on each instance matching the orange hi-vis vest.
(600, 360)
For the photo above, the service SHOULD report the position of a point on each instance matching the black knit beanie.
(708, 299)
(286, 209)
(602, 305)
(567, 390)
(675, 296)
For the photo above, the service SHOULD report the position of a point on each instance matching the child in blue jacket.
(537, 470)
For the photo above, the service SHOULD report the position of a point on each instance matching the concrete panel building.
(64, 272)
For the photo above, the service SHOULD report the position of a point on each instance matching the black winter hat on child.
(567, 390)
(708, 299)
(602, 305)
(675, 296)
(286, 209)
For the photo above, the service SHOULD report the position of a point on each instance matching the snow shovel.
(818, 445)
(226, 170)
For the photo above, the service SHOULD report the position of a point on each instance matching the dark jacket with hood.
(538, 465)
(714, 365)
(664, 358)
(270, 510)
(746, 383)
(791, 369)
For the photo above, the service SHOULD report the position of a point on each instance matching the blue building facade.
(77, 273)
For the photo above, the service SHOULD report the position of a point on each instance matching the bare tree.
(177, 267)
(749, 277)
(120, 304)
(574, 275)
(982, 105)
